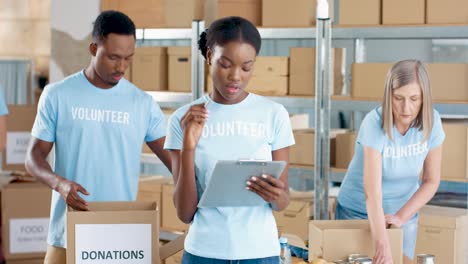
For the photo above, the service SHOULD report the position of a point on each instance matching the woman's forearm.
(185, 193)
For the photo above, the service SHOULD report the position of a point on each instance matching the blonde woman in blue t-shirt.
(395, 143)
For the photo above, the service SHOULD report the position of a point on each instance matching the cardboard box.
(170, 221)
(121, 230)
(25, 220)
(442, 232)
(248, 9)
(149, 68)
(447, 12)
(180, 69)
(128, 74)
(303, 152)
(359, 12)
(268, 86)
(368, 80)
(144, 13)
(175, 259)
(302, 71)
(352, 236)
(300, 13)
(270, 76)
(150, 189)
(344, 149)
(299, 121)
(26, 261)
(395, 12)
(295, 218)
(20, 121)
(449, 81)
(181, 13)
(455, 151)
(271, 66)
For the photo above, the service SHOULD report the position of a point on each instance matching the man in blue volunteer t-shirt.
(98, 121)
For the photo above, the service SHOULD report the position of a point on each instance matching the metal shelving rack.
(355, 41)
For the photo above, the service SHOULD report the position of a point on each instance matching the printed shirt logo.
(100, 115)
(235, 128)
(396, 152)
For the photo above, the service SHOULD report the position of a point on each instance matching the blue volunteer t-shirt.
(98, 135)
(251, 129)
(402, 162)
(3, 105)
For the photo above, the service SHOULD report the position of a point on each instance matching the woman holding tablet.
(229, 124)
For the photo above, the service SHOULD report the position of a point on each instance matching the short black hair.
(229, 29)
(111, 21)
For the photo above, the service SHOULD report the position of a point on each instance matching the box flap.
(294, 208)
(340, 224)
(172, 247)
(295, 195)
(447, 217)
(153, 183)
(294, 240)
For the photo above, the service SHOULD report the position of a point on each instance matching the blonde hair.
(403, 73)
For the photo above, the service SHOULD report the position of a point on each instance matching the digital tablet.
(227, 186)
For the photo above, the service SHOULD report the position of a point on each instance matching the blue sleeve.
(282, 131)
(174, 133)
(371, 133)
(45, 123)
(157, 123)
(437, 133)
(3, 105)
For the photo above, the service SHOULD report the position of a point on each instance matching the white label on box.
(16, 146)
(113, 243)
(28, 235)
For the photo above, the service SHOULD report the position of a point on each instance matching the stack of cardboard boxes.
(295, 218)
(161, 190)
(19, 124)
(442, 232)
(448, 81)
(301, 13)
(25, 222)
(455, 156)
(25, 206)
(401, 12)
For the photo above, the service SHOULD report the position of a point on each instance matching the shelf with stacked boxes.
(338, 32)
(457, 109)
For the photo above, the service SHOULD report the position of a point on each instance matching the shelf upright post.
(198, 62)
(323, 64)
(359, 57)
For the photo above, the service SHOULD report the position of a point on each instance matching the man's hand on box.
(69, 192)
(267, 186)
